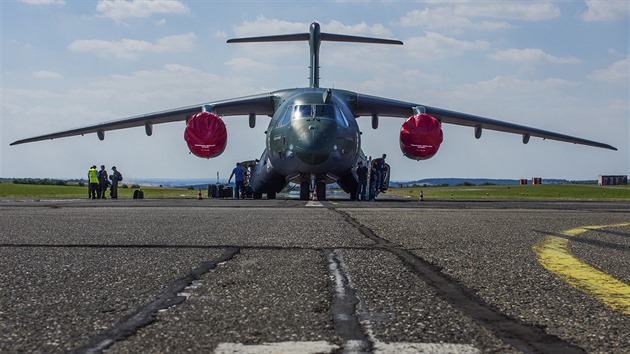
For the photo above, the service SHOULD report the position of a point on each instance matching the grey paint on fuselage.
(324, 143)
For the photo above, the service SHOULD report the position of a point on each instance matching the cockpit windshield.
(318, 111)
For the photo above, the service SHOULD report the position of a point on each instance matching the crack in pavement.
(145, 314)
(525, 337)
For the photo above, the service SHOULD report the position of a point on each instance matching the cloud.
(247, 63)
(433, 45)
(43, 2)
(445, 17)
(531, 55)
(43, 74)
(359, 29)
(512, 10)
(131, 48)
(522, 101)
(615, 73)
(465, 14)
(600, 11)
(264, 26)
(121, 9)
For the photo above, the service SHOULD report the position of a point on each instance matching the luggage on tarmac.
(138, 194)
(213, 191)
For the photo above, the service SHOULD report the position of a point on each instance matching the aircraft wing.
(258, 104)
(372, 105)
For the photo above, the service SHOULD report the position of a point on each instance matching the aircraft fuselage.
(310, 136)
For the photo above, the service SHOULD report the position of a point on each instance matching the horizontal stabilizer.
(278, 38)
(314, 38)
(331, 37)
(356, 39)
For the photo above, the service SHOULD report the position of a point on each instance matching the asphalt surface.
(228, 276)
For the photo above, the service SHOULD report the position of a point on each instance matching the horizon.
(165, 179)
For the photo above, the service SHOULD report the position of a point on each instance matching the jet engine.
(420, 137)
(206, 135)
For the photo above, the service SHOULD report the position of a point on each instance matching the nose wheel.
(307, 190)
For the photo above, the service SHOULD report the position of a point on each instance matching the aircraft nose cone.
(316, 144)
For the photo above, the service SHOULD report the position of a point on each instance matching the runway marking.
(146, 314)
(434, 348)
(361, 339)
(313, 203)
(554, 255)
(281, 347)
(325, 347)
(527, 338)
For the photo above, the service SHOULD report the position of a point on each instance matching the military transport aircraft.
(313, 138)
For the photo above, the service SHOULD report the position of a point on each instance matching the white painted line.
(339, 289)
(417, 348)
(312, 203)
(325, 347)
(274, 348)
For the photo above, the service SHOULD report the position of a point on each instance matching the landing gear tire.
(271, 195)
(305, 190)
(320, 187)
(257, 195)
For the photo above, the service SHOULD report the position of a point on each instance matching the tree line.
(40, 181)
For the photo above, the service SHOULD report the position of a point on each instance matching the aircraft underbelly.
(336, 164)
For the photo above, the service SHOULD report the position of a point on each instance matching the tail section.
(315, 38)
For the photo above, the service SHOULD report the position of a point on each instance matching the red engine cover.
(420, 137)
(206, 135)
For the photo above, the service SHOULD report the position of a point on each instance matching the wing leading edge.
(257, 104)
(372, 105)
(361, 105)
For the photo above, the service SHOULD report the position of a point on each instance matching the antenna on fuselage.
(315, 38)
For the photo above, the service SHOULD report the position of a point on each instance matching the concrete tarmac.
(274, 276)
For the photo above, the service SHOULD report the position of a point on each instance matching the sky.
(559, 66)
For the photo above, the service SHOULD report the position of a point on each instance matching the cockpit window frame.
(286, 116)
(328, 112)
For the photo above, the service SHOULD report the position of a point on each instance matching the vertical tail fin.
(315, 38)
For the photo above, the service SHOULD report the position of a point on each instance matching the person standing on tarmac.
(103, 180)
(239, 177)
(362, 172)
(115, 177)
(92, 176)
(381, 169)
(373, 181)
(88, 184)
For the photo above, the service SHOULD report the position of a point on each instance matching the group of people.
(99, 181)
(376, 175)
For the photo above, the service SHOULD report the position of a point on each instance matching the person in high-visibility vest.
(92, 174)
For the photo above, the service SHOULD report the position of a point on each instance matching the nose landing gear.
(308, 188)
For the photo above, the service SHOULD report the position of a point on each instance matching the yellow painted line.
(554, 255)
